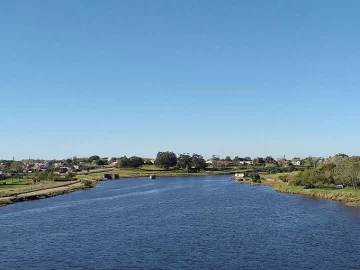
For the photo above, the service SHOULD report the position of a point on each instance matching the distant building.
(297, 162)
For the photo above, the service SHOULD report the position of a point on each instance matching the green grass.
(348, 196)
(14, 183)
(20, 188)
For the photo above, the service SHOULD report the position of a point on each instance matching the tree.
(309, 161)
(101, 162)
(259, 161)
(93, 158)
(198, 162)
(255, 177)
(236, 160)
(270, 159)
(348, 172)
(123, 162)
(165, 160)
(228, 158)
(136, 162)
(75, 160)
(16, 166)
(184, 161)
(215, 159)
(133, 162)
(328, 170)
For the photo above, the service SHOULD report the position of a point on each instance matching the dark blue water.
(179, 223)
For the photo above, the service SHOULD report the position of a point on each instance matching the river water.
(179, 223)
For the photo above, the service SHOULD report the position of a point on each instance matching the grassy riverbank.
(348, 196)
(41, 191)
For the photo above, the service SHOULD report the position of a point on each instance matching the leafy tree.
(123, 162)
(329, 172)
(101, 162)
(309, 162)
(93, 158)
(133, 162)
(348, 172)
(198, 162)
(215, 159)
(255, 177)
(228, 158)
(75, 160)
(184, 161)
(259, 161)
(342, 155)
(236, 160)
(165, 160)
(136, 162)
(270, 159)
(16, 166)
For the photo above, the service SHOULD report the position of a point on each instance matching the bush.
(88, 183)
(284, 178)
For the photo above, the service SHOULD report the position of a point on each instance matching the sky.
(238, 78)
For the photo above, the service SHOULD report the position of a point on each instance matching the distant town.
(195, 162)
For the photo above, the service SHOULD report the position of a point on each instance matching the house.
(297, 162)
(239, 176)
(245, 162)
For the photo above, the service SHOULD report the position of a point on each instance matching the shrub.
(88, 183)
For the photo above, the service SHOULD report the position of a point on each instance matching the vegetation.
(343, 171)
(316, 176)
(88, 183)
(255, 177)
(190, 163)
(165, 160)
(133, 162)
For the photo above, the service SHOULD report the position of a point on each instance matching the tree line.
(341, 170)
(166, 160)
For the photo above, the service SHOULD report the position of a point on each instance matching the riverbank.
(348, 196)
(42, 191)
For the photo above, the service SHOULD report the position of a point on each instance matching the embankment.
(21, 196)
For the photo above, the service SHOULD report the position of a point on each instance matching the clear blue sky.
(112, 78)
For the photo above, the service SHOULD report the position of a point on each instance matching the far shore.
(348, 196)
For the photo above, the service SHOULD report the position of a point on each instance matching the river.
(179, 223)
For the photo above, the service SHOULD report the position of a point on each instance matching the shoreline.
(349, 197)
(42, 193)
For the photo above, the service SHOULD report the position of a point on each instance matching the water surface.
(179, 223)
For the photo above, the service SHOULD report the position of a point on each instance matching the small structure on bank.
(111, 176)
(239, 176)
(108, 176)
(152, 176)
